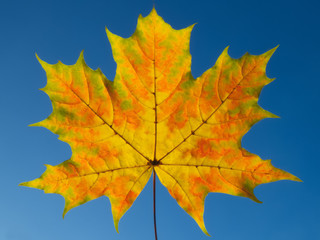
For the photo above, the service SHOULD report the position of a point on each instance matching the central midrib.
(155, 95)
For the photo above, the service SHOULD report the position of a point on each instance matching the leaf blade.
(156, 116)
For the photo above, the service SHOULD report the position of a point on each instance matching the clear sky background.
(60, 29)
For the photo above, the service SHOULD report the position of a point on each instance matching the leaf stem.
(154, 205)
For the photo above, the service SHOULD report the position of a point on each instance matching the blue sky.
(59, 30)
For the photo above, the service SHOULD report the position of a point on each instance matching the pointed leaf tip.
(81, 53)
(81, 58)
(64, 212)
(42, 63)
(109, 34)
(269, 53)
(296, 179)
(116, 224)
(154, 11)
(272, 115)
(37, 124)
(204, 230)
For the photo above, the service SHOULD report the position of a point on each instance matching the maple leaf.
(156, 117)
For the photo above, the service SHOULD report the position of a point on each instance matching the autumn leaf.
(155, 117)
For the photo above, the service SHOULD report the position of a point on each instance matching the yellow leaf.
(156, 117)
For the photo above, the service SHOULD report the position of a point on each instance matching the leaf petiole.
(154, 205)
